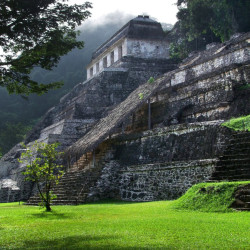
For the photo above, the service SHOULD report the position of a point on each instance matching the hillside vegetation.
(209, 197)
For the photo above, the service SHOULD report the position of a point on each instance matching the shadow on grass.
(112, 202)
(51, 215)
(78, 242)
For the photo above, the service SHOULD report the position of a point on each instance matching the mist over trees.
(18, 114)
(201, 22)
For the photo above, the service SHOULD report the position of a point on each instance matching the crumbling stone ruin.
(130, 138)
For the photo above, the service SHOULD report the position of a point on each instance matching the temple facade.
(125, 137)
(141, 37)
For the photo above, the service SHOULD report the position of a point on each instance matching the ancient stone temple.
(142, 37)
(141, 128)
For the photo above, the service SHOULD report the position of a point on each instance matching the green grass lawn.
(120, 225)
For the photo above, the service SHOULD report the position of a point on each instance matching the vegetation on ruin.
(201, 22)
(238, 124)
(151, 80)
(209, 197)
(141, 96)
(121, 225)
(43, 169)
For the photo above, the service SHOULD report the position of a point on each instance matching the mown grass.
(209, 197)
(238, 124)
(121, 225)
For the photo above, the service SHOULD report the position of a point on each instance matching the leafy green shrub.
(140, 96)
(151, 80)
(209, 197)
(247, 86)
(239, 124)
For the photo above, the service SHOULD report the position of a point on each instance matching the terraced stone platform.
(75, 184)
(234, 164)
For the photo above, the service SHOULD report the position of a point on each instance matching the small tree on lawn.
(41, 167)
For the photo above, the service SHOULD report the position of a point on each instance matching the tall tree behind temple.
(204, 21)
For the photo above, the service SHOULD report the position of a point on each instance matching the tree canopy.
(19, 115)
(42, 167)
(36, 34)
(204, 21)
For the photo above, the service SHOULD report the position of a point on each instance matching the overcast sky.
(163, 11)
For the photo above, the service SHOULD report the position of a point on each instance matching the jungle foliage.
(17, 111)
(201, 22)
(36, 33)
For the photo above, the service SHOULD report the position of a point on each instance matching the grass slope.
(209, 197)
(238, 124)
(120, 225)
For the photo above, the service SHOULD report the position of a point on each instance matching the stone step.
(83, 174)
(242, 208)
(231, 173)
(237, 140)
(241, 135)
(245, 192)
(59, 202)
(243, 167)
(64, 198)
(68, 190)
(233, 165)
(245, 198)
(233, 150)
(230, 178)
(239, 144)
(236, 160)
(240, 204)
(76, 182)
(235, 156)
(61, 194)
(79, 180)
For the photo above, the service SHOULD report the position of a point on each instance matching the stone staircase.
(242, 198)
(234, 164)
(75, 184)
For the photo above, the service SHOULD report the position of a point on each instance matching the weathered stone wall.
(91, 100)
(218, 97)
(175, 143)
(162, 163)
(12, 184)
(180, 151)
(147, 49)
(166, 181)
(78, 111)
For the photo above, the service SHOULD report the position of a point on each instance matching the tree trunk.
(48, 208)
